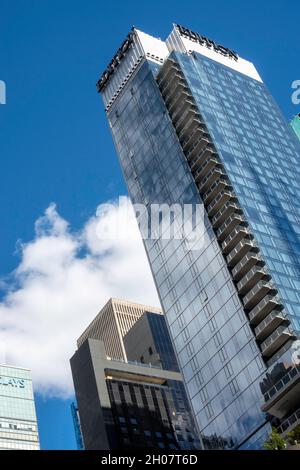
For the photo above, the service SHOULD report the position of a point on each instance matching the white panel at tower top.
(177, 42)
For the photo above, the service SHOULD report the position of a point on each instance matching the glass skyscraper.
(18, 424)
(193, 123)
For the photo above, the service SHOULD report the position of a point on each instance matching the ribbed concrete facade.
(112, 323)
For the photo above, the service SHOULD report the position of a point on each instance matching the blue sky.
(55, 144)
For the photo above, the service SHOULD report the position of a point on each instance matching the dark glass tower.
(191, 124)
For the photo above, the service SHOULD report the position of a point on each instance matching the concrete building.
(149, 341)
(18, 423)
(112, 323)
(191, 123)
(126, 405)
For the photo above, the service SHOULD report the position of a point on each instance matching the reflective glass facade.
(143, 417)
(213, 326)
(162, 341)
(18, 425)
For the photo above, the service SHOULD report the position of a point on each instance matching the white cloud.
(62, 281)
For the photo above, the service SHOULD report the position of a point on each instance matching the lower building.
(126, 405)
(18, 423)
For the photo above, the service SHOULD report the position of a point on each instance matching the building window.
(133, 421)
(150, 351)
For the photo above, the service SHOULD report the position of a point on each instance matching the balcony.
(245, 265)
(239, 251)
(188, 114)
(210, 178)
(230, 223)
(224, 196)
(174, 86)
(170, 68)
(179, 101)
(206, 166)
(199, 160)
(200, 144)
(290, 423)
(215, 189)
(189, 141)
(277, 339)
(284, 395)
(228, 209)
(251, 278)
(180, 106)
(257, 293)
(189, 126)
(234, 238)
(269, 324)
(265, 306)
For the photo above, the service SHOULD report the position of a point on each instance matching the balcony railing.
(219, 200)
(190, 124)
(228, 225)
(207, 165)
(265, 306)
(210, 178)
(171, 88)
(170, 68)
(190, 140)
(240, 250)
(228, 209)
(269, 324)
(215, 188)
(234, 238)
(290, 423)
(251, 278)
(181, 123)
(178, 101)
(205, 154)
(277, 339)
(283, 396)
(257, 293)
(197, 147)
(246, 264)
(178, 107)
(188, 113)
(291, 377)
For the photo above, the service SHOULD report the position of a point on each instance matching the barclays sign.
(12, 382)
